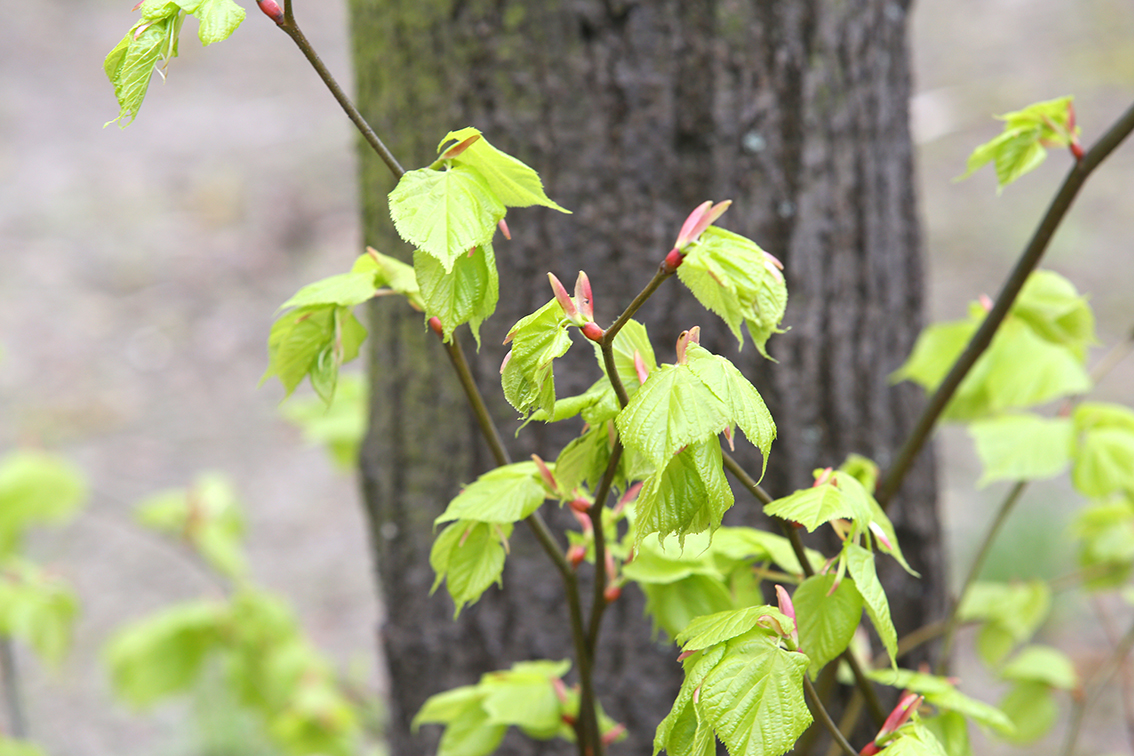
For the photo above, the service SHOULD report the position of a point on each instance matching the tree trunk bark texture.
(634, 113)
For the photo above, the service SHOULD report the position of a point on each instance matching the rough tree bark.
(634, 113)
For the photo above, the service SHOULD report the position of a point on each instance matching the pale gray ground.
(139, 271)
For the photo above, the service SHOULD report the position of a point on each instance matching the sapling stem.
(980, 341)
(825, 718)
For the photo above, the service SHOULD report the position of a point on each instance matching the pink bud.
(504, 364)
(503, 225)
(612, 593)
(458, 148)
(435, 326)
(271, 9)
(692, 336)
(593, 332)
(613, 734)
(584, 522)
(629, 496)
(563, 298)
(788, 610)
(576, 554)
(580, 505)
(686, 654)
(825, 477)
(673, 260)
(640, 367)
(700, 219)
(728, 437)
(583, 298)
(611, 568)
(876, 529)
(545, 473)
(560, 690)
(899, 716)
(985, 302)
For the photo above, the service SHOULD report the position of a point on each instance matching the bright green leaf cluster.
(467, 293)
(744, 689)
(1020, 148)
(130, 65)
(528, 374)
(469, 557)
(1010, 613)
(37, 608)
(504, 495)
(530, 696)
(35, 489)
(1105, 535)
(1036, 356)
(732, 277)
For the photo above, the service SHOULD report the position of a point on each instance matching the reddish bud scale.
(592, 331)
(1076, 149)
(673, 260)
(580, 505)
(435, 326)
(576, 554)
(612, 593)
(272, 10)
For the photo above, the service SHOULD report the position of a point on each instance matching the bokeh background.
(140, 270)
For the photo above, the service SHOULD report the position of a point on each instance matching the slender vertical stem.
(825, 718)
(954, 618)
(13, 699)
(1026, 263)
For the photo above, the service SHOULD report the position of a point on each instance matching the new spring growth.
(692, 336)
(788, 609)
(898, 717)
(580, 310)
(271, 9)
(704, 216)
(545, 473)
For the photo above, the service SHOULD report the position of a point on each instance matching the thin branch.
(476, 402)
(1027, 262)
(658, 279)
(598, 606)
(825, 718)
(13, 697)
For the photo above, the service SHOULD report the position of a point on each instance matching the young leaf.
(340, 427)
(827, 620)
(584, 460)
(1032, 709)
(469, 557)
(219, 19)
(1022, 447)
(130, 64)
(952, 732)
(465, 294)
(35, 488)
(1011, 614)
(36, 608)
(860, 565)
(1042, 664)
(1056, 311)
(513, 182)
(391, 273)
(525, 697)
(673, 605)
(503, 495)
(347, 289)
(710, 630)
(815, 506)
(313, 341)
(528, 375)
(1106, 543)
(941, 692)
(735, 279)
(1104, 451)
(1020, 148)
(914, 739)
(445, 213)
(688, 495)
(631, 340)
(467, 729)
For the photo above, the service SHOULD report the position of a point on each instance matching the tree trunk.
(634, 113)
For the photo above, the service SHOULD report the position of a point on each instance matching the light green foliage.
(688, 495)
(827, 620)
(713, 629)
(537, 340)
(1020, 147)
(465, 294)
(207, 516)
(1036, 356)
(584, 460)
(469, 557)
(35, 489)
(943, 694)
(13, 747)
(1011, 614)
(735, 279)
(818, 505)
(37, 608)
(679, 405)
(505, 494)
(391, 275)
(860, 565)
(341, 426)
(914, 739)
(1032, 709)
(513, 182)
(477, 716)
(1042, 664)
(154, 38)
(1022, 446)
(1105, 533)
(952, 732)
(747, 691)
(1104, 450)
(313, 342)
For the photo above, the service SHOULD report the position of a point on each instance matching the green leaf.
(818, 505)
(720, 627)
(1022, 447)
(130, 64)
(525, 697)
(952, 731)
(13, 747)
(684, 731)
(467, 729)
(465, 294)
(37, 608)
(219, 19)
(1106, 543)
(469, 557)
(827, 621)
(735, 279)
(1020, 148)
(1032, 709)
(914, 739)
(630, 339)
(313, 341)
(164, 653)
(513, 182)
(528, 376)
(207, 516)
(860, 565)
(940, 692)
(1052, 307)
(688, 495)
(753, 698)
(340, 427)
(1104, 449)
(504, 495)
(391, 273)
(445, 213)
(36, 488)
(1042, 664)
(584, 460)
(347, 289)
(1011, 613)
(743, 403)
(673, 605)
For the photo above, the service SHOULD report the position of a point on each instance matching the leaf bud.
(460, 147)
(564, 299)
(576, 554)
(584, 300)
(612, 593)
(545, 473)
(592, 331)
(271, 9)
(435, 326)
(673, 260)
(640, 368)
(613, 734)
(580, 505)
(503, 225)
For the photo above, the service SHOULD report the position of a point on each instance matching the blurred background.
(140, 270)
